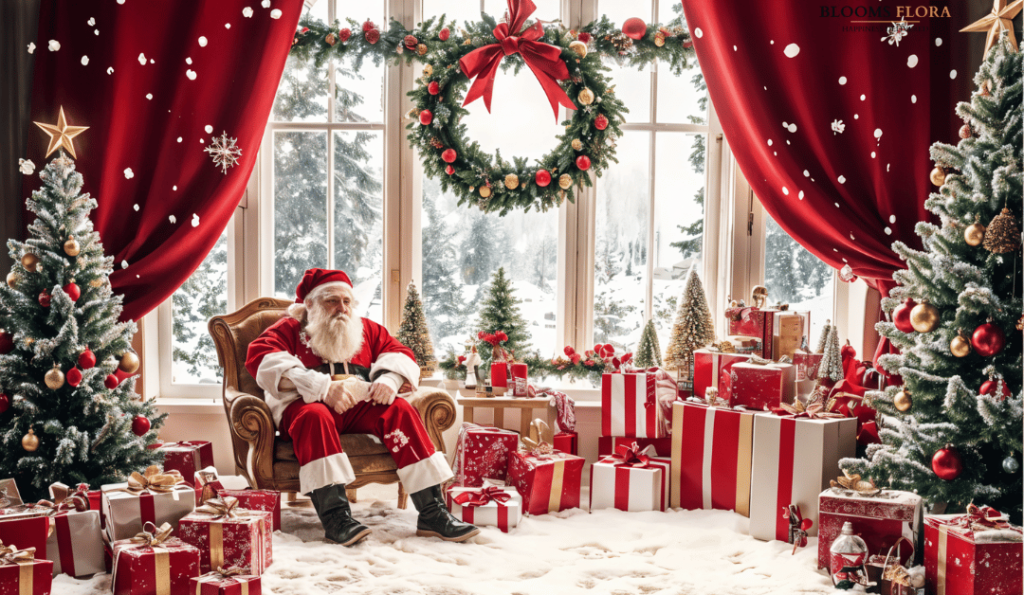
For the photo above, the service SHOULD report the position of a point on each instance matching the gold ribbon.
(940, 571)
(222, 508)
(11, 555)
(855, 483)
(222, 574)
(153, 537)
(557, 478)
(153, 480)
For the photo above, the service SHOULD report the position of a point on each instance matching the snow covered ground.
(607, 552)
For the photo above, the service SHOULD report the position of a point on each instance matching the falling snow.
(912, 61)
(837, 128)
(142, 59)
(276, 13)
(191, 74)
(54, 45)
(85, 60)
(172, 219)
(247, 12)
(31, 48)
(842, 80)
(128, 173)
(791, 50)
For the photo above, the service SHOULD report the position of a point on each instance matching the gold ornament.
(129, 363)
(61, 135)
(1003, 233)
(30, 442)
(428, 71)
(938, 176)
(12, 279)
(331, 39)
(565, 181)
(71, 247)
(902, 401)
(974, 234)
(579, 48)
(586, 96)
(997, 21)
(421, 49)
(577, 144)
(924, 317)
(54, 378)
(959, 346)
(29, 341)
(96, 283)
(485, 192)
(659, 39)
(30, 262)
(511, 181)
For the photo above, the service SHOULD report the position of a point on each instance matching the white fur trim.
(398, 363)
(421, 475)
(312, 295)
(331, 470)
(268, 376)
(297, 311)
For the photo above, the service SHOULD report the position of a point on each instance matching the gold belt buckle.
(342, 377)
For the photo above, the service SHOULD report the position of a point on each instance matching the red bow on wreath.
(543, 59)
(482, 496)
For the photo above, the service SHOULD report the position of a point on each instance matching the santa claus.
(326, 371)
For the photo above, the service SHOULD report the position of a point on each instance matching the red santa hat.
(315, 282)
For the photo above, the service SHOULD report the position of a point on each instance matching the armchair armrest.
(253, 433)
(437, 409)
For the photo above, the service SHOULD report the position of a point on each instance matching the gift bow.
(632, 456)
(226, 508)
(222, 573)
(12, 555)
(815, 410)
(67, 499)
(152, 537)
(978, 518)
(154, 480)
(481, 496)
(543, 59)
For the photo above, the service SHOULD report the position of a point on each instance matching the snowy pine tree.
(72, 338)
(444, 305)
(823, 339)
(831, 368)
(413, 332)
(693, 327)
(971, 286)
(501, 313)
(648, 352)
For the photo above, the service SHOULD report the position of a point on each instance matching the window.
(796, 277)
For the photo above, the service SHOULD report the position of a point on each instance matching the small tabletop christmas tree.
(501, 313)
(648, 352)
(693, 327)
(64, 415)
(823, 339)
(830, 370)
(414, 334)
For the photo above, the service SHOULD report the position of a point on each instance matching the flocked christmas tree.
(414, 334)
(830, 370)
(63, 414)
(948, 432)
(648, 352)
(693, 327)
(823, 339)
(501, 313)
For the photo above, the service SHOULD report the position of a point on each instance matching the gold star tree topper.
(61, 134)
(996, 21)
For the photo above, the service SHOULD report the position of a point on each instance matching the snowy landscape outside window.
(202, 296)
(796, 277)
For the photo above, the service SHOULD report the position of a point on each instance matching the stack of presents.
(741, 437)
(173, 530)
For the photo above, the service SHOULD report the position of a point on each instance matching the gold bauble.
(12, 279)
(421, 49)
(30, 262)
(71, 247)
(938, 176)
(1003, 233)
(577, 144)
(98, 282)
(30, 442)
(902, 401)
(428, 70)
(959, 346)
(54, 378)
(924, 317)
(485, 192)
(586, 96)
(511, 181)
(565, 181)
(974, 234)
(659, 39)
(129, 363)
(579, 48)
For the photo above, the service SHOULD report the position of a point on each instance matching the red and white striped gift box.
(629, 406)
(72, 544)
(482, 507)
(635, 486)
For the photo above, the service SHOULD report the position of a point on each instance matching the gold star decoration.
(995, 22)
(61, 134)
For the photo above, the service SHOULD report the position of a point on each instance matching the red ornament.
(44, 298)
(433, 88)
(449, 155)
(847, 351)
(543, 178)
(426, 117)
(74, 377)
(73, 291)
(111, 381)
(583, 162)
(901, 316)
(368, 26)
(600, 122)
(444, 34)
(988, 340)
(410, 42)
(5, 403)
(372, 36)
(989, 387)
(448, 169)
(947, 463)
(140, 425)
(584, 37)
(87, 359)
(6, 342)
(688, 44)
(634, 28)
(344, 34)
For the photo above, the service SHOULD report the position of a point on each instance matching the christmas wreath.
(567, 63)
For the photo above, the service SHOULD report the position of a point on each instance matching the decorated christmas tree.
(693, 327)
(823, 339)
(413, 332)
(952, 431)
(64, 415)
(648, 352)
(501, 313)
(830, 369)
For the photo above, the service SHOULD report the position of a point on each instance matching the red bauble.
(583, 162)
(74, 292)
(410, 42)
(372, 36)
(5, 403)
(600, 122)
(584, 37)
(448, 169)
(687, 44)
(6, 342)
(988, 340)
(443, 35)
(368, 26)
(449, 156)
(989, 387)
(140, 425)
(74, 377)
(433, 88)
(111, 381)
(901, 316)
(344, 34)
(543, 178)
(426, 117)
(44, 299)
(634, 28)
(87, 359)
(947, 463)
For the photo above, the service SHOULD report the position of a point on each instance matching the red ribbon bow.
(543, 59)
(631, 456)
(482, 496)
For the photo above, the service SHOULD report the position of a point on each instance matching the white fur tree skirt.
(608, 552)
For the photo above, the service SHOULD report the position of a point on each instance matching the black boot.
(335, 514)
(435, 520)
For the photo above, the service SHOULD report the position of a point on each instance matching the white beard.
(335, 339)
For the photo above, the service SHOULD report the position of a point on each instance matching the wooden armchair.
(260, 455)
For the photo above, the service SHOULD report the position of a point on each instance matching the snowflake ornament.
(896, 32)
(224, 151)
(838, 127)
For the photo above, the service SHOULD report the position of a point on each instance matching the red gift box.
(806, 365)
(566, 442)
(631, 480)
(629, 406)
(711, 456)
(226, 583)
(21, 574)
(228, 536)
(26, 529)
(187, 457)
(708, 368)
(606, 445)
(781, 333)
(262, 500)
(761, 387)
(879, 520)
(483, 452)
(499, 374)
(154, 564)
(969, 555)
(547, 482)
(745, 321)
(518, 383)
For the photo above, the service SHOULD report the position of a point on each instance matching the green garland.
(491, 182)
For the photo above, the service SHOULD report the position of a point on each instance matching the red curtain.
(780, 73)
(155, 82)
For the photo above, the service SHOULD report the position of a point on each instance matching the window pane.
(620, 244)
(202, 296)
(458, 10)
(620, 10)
(547, 10)
(358, 215)
(633, 87)
(796, 277)
(300, 207)
(302, 93)
(517, 100)
(359, 95)
(682, 99)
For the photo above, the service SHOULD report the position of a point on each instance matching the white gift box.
(126, 512)
(503, 515)
(629, 488)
